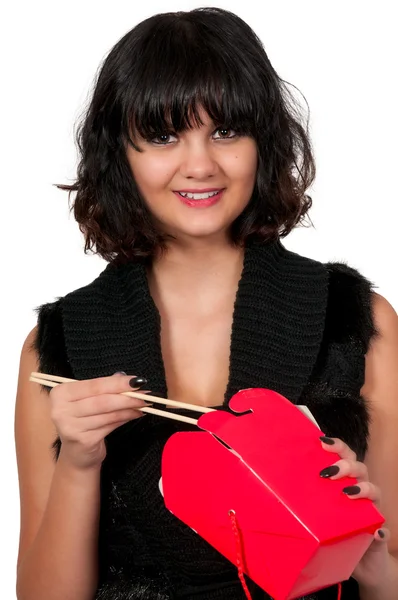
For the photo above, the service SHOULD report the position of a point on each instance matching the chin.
(202, 227)
(202, 232)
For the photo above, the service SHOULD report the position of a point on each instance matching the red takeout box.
(299, 532)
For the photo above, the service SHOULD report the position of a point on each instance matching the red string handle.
(239, 558)
(239, 553)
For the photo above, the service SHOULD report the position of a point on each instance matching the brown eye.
(163, 139)
(225, 133)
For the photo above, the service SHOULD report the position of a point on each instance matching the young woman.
(194, 165)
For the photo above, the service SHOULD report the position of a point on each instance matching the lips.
(202, 202)
(199, 191)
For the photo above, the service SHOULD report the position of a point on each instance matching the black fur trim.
(349, 312)
(50, 342)
(50, 347)
(333, 393)
(339, 414)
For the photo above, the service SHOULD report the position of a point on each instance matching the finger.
(364, 489)
(77, 390)
(104, 431)
(382, 535)
(346, 468)
(105, 403)
(107, 420)
(338, 446)
(381, 538)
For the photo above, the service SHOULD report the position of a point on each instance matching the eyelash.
(152, 140)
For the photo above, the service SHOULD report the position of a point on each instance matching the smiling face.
(173, 168)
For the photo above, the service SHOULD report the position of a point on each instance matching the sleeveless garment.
(300, 327)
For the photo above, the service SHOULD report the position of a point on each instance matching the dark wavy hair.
(156, 78)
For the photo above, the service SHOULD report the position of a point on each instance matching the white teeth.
(199, 196)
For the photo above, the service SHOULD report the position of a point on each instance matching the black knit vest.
(299, 327)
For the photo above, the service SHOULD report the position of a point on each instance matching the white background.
(341, 55)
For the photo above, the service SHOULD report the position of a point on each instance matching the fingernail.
(351, 490)
(329, 471)
(327, 440)
(137, 382)
(381, 534)
(120, 373)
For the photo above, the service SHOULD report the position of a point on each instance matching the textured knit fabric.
(299, 327)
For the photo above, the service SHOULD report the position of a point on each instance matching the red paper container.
(299, 532)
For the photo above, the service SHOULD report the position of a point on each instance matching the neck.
(280, 308)
(201, 275)
(198, 257)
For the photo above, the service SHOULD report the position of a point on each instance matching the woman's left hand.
(373, 567)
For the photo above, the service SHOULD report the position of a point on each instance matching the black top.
(299, 327)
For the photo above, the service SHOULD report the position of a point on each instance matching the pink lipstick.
(200, 202)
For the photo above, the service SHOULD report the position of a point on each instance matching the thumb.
(380, 539)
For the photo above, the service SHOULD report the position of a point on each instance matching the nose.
(198, 162)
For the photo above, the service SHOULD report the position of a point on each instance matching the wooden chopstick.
(145, 409)
(54, 380)
(156, 399)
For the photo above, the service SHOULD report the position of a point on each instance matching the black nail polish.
(329, 471)
(137, 382)
(381, 534)
(327, 440)
(351, 490)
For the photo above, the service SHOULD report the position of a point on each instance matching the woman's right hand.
(84, 412)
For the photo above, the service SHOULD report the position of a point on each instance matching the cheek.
(250, 169)
(151, 172)
(243, 165)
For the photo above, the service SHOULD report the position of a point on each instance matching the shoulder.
(345, 279)
(382, 357)
(48, 319)
(47, 340)
(385, 316)
(355, 308)
(49, 315)
(48, 337)
(74, 311)
(349, 315)
(349, 329)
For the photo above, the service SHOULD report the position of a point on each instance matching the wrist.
(386, 588)
(74, 472)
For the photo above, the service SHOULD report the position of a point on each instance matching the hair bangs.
(168, 92)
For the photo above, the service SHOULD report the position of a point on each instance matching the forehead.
(200, 119)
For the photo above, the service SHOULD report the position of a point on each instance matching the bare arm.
(381, 391)
(59, 504)
(60, 500)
